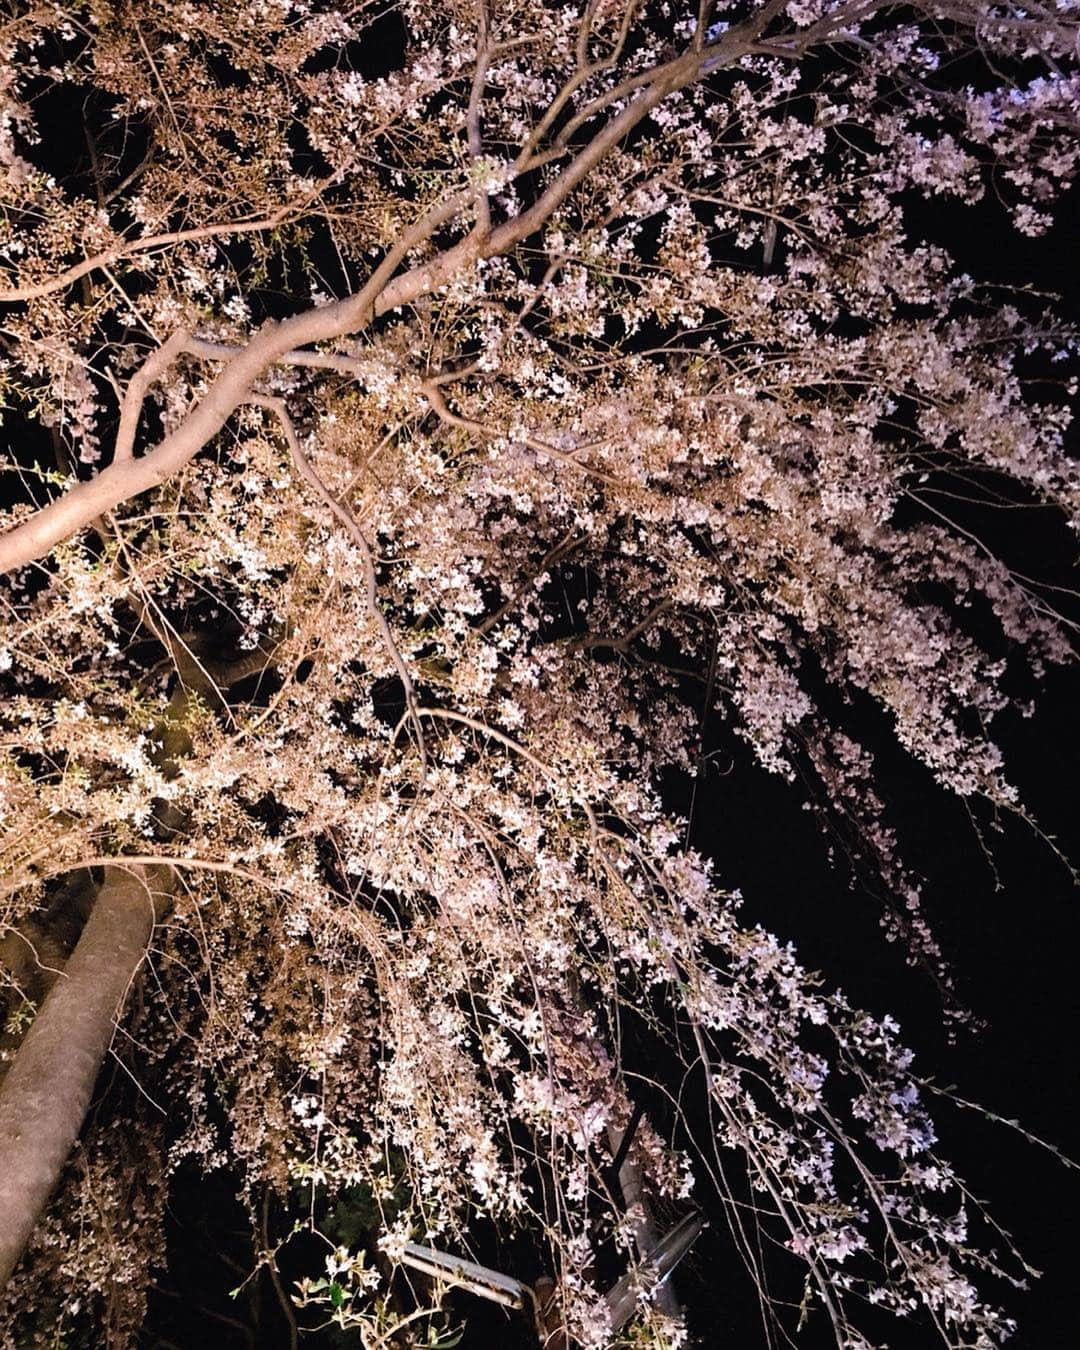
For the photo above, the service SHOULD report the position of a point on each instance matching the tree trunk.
(46, 1093)
(646, 1232)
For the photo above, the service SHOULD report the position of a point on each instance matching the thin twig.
(346, 518)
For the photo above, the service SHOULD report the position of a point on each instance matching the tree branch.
(383, 292)
(155, 365)
(345, 517)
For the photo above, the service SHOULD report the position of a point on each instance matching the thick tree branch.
(46, 1093)
(36, 537)
(155, 365)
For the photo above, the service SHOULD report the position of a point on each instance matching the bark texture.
(46, 1093)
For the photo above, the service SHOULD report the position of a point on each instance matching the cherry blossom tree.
(446, 403)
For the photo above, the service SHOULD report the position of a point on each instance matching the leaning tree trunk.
(646, 1232)
(46, 1093)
